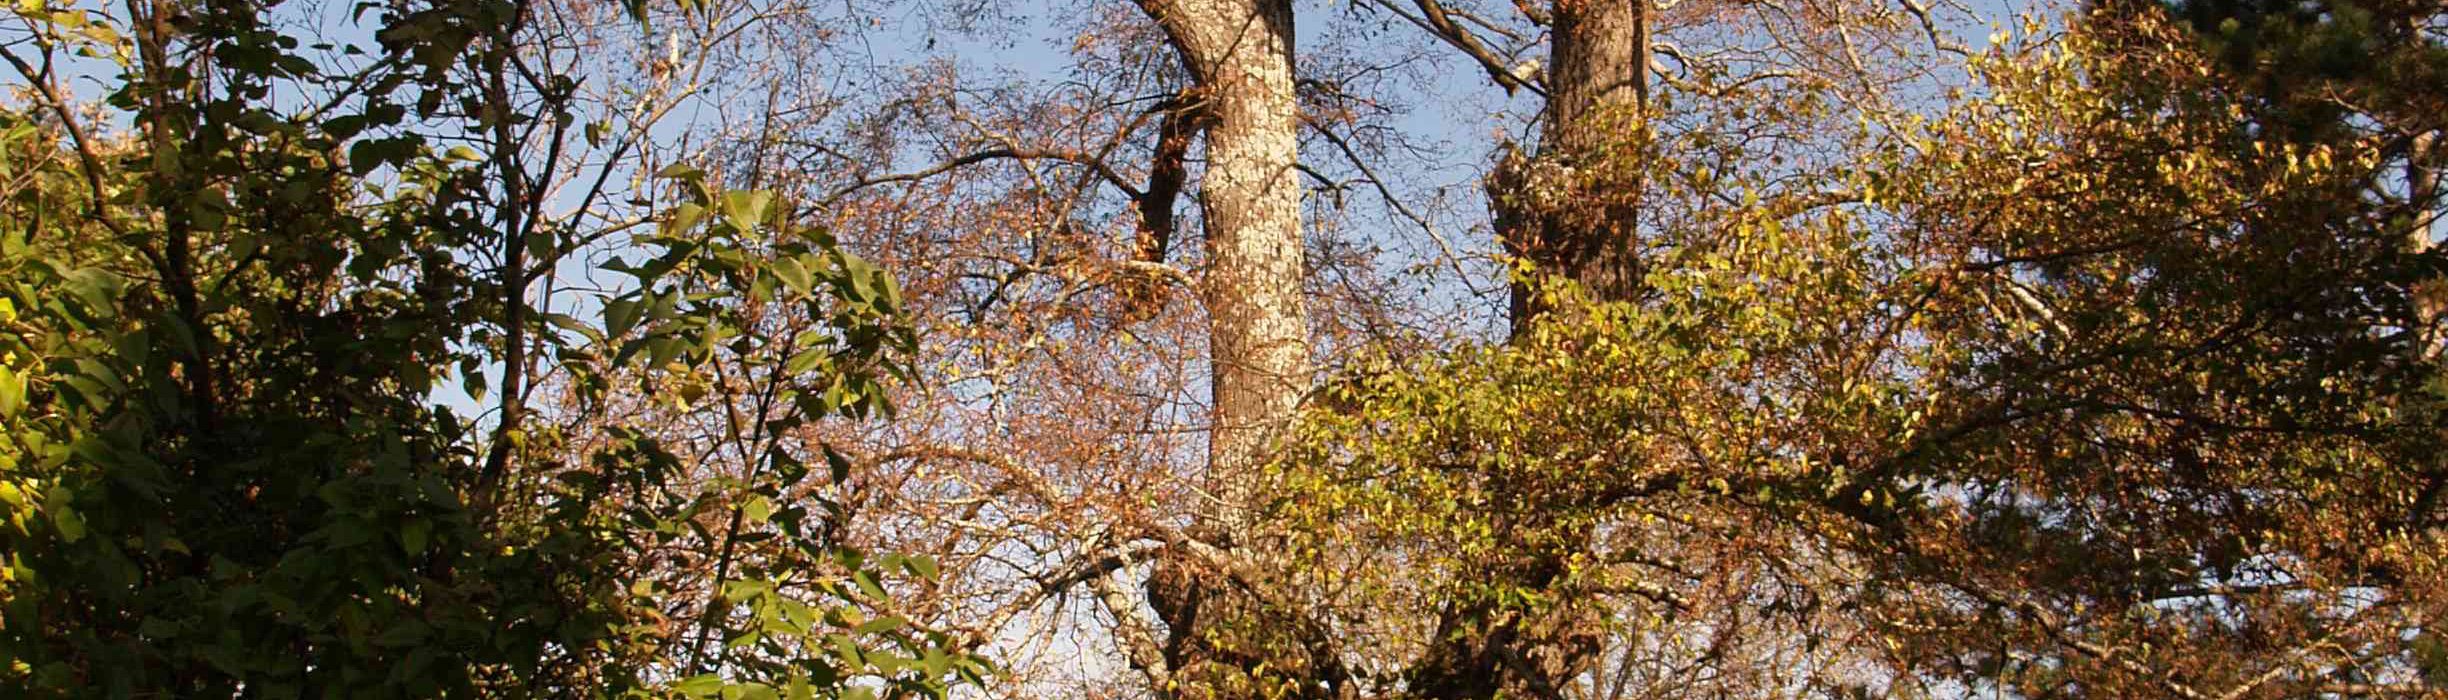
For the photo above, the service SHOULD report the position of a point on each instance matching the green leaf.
(745, 639)
(573, 325)
(181, 335)
(12, 392)
(406, 632)
(345, 127)
(881, 625)
(700, 686)
(620, 315)
(758, 510)
(802, 362)
(415, 535)
(892, 290)
(204, 215)
(792, 274)
(935, 663)
(157, 628)
(102, 373)
(747, 207)
(867, 584)
(680, 171)
(838, 463)
(683, 219)
(797, 616)
(862, 278)
(97, 289)
(540, 243)
(476, 385)
(348, 532)
(71, 525)
(662, 350)
(921, 566)
(364, 157)
(847, 650)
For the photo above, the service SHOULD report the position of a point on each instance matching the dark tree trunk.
(1573, 209)
(1488, 649)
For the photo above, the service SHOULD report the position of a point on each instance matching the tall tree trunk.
(2422, 189)
(1573, 212)
(2423, 193)
(1573, 209)
(1239, 52)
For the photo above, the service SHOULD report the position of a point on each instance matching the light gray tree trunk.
(1239, 53)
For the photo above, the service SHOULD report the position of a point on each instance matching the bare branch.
(1098, 166)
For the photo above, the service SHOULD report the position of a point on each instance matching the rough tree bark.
(1573, 209)
(1239, 55)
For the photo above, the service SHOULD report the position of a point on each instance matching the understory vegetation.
(1770, 348)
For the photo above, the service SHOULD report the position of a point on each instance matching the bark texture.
(1239, 53)
(1573, 208)
(1490, 650)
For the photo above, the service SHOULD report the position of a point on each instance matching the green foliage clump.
(2084, 388)
(220, 339)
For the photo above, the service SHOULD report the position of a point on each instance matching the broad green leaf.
(415, 534)
(12, 392)
(792, 274)
(71, 525)
(700, 686)
(684, 219)
(836, 461)
(758, 509)
(620, 315)
(867, 584)
(747, 207)
(922, 566)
